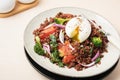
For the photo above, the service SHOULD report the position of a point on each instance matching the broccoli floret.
(37, 47)
(97, 41)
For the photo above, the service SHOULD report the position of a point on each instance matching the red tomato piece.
(64, 49)
(45, 33)
(67, 59)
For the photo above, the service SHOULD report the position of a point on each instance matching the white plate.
(107, 61)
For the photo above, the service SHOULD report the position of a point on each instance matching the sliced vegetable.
(59, 25)
(37, 47)
(91, 64)
(65, 52)
(45, 33)
(61, 51)
(94, 60)
(46, 47)
(60, 20)
(96, 56)
(48, 26)
(64, 49)
(71, 47)
(61, 36)
(88, 65)
(97, 41)
(67, 59)
(37, 40)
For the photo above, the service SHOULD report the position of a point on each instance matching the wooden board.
(20, 7)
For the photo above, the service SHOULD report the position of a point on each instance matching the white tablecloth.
(13, 62)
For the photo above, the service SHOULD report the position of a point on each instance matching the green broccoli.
(37, 47)
(97, 41)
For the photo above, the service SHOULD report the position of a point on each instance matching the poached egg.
(78, 28)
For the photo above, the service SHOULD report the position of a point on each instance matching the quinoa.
(81, 50)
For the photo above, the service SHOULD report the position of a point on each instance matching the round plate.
(107, 61)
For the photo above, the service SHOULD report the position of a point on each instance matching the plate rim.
(101, 76)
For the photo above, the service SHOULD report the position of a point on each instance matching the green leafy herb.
(60, 64)
(54, 59)
(54, 53)
(98, 60)
(91, 50)
(53, 38)
(37, 47)
(53, 42)
(60, 20)
(97, 41)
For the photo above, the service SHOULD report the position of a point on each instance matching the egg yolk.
(75, 34)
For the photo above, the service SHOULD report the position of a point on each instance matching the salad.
(70, 40)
